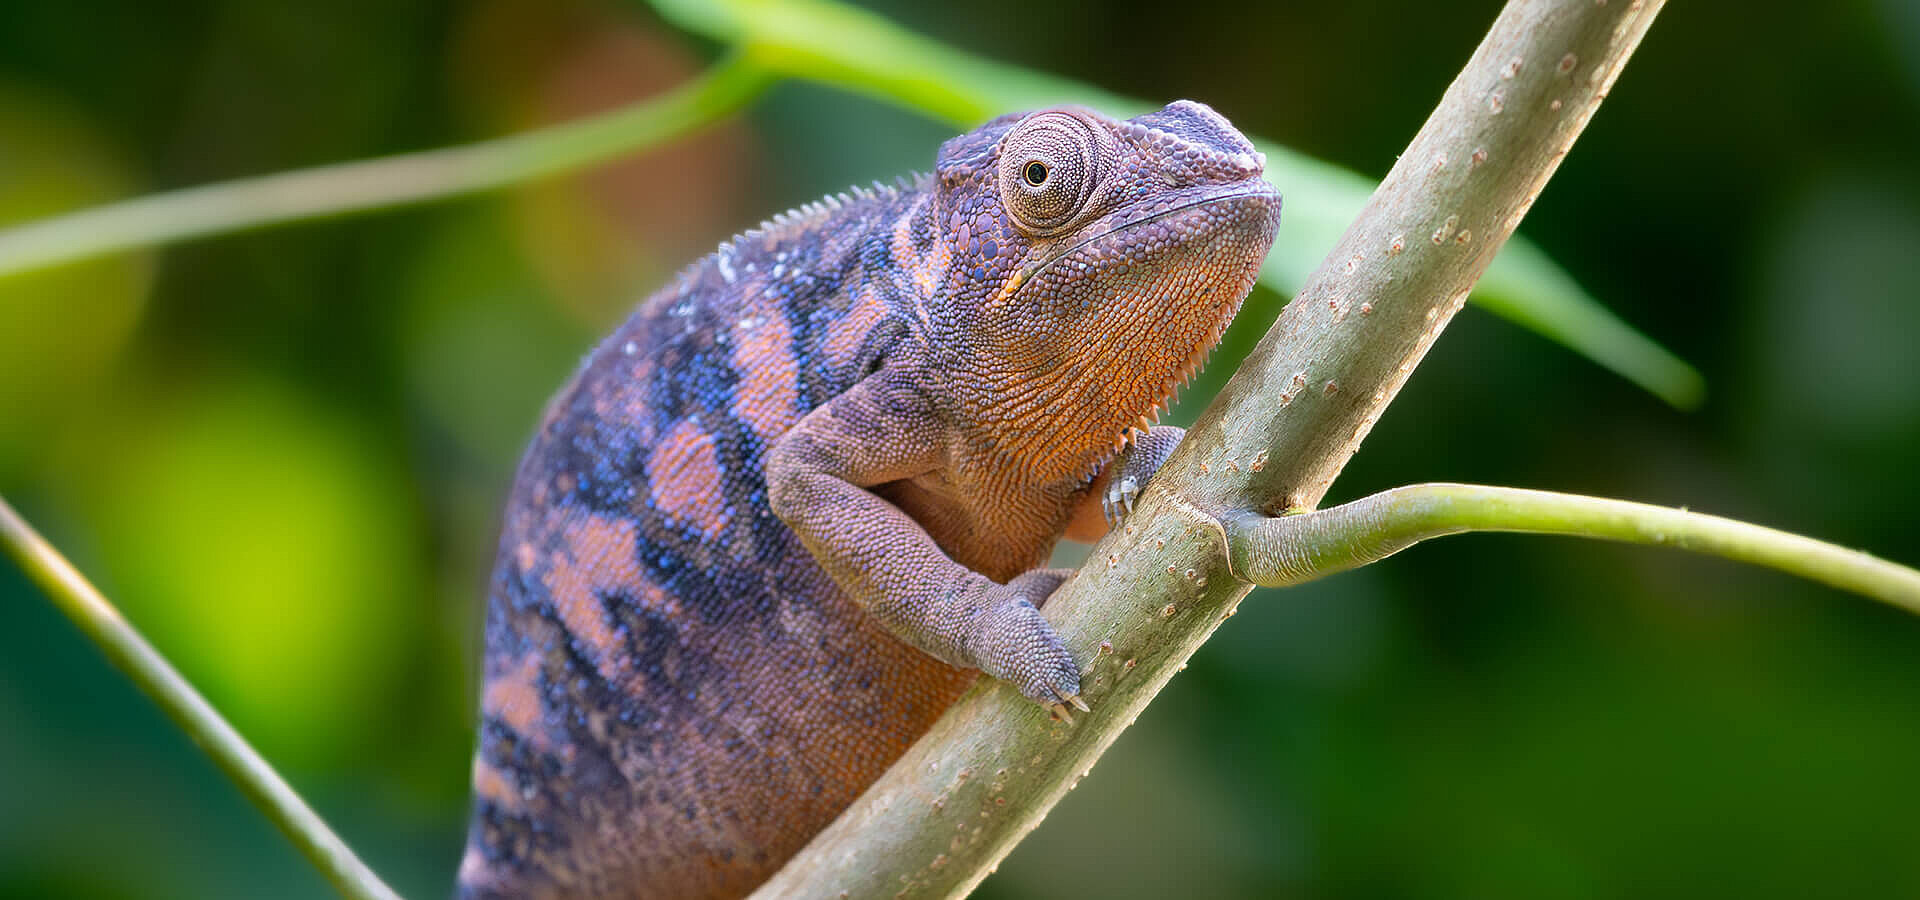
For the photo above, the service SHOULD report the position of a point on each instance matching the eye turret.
(1050, 165)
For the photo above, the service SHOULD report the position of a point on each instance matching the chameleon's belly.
(677, 697)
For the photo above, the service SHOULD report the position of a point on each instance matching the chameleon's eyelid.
(1070, 151)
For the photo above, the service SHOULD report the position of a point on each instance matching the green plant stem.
(131, 654)
(1291, 549)
(384, 182)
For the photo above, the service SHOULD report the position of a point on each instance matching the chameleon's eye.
(1050, 164)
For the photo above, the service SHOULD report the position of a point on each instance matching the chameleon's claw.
(1059, 708)
(1118, 501)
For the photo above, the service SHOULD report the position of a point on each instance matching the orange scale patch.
(933, 268)
(685, 481)
(513, 697)
(653, 596)
(925, 277)
(844, 340)
(600, 555)
(768, 396)
(489, 784)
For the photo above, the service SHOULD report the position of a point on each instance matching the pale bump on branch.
(944, 816)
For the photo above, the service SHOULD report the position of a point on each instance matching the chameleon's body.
(769, 530)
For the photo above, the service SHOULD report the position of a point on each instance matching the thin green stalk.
(1290, 549)
(384, 182)
(131, 654)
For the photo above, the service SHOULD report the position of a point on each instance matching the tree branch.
(1284, 426)
(131, 654)
(1294, 549)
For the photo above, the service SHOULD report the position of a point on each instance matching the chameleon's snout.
(1188, 140)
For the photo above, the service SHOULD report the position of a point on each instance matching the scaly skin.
(771, 528)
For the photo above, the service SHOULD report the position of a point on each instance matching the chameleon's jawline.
(1183, 374)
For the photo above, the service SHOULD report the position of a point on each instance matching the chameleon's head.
(1094, 264)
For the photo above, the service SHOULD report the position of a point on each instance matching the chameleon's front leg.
(818, 473)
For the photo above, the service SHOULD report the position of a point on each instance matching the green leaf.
(850, 48)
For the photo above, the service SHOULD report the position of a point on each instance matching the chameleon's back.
(676, 695)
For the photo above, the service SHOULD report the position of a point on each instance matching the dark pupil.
(1036, 173)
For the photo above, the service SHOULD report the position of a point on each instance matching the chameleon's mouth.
(1140, 217)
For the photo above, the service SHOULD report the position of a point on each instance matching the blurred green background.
(283, 453)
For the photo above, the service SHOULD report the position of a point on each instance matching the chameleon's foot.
(1014, 643)
(1129, 474)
